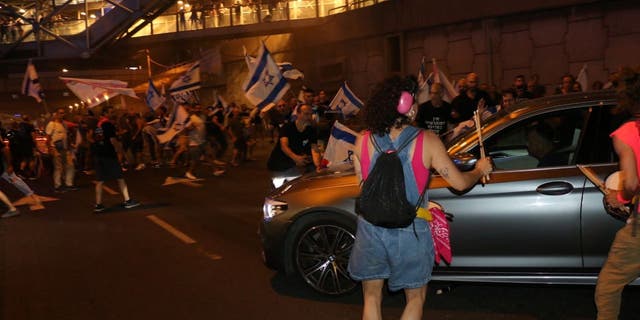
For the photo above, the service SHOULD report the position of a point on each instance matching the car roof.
(528, 108)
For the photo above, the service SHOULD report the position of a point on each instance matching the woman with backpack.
(403, 255)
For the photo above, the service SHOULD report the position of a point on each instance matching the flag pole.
(148, 63)
(46, 108)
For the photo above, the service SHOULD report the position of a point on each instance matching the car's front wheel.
(321, 253)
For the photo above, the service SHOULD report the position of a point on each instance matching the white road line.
(175, 232)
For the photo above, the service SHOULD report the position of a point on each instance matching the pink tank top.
(420, 172)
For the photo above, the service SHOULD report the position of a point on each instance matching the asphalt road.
(192, 251)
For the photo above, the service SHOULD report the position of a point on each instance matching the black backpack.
(383, 200)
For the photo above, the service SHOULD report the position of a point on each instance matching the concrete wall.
(548, 42)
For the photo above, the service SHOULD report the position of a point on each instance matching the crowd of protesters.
(225, 135)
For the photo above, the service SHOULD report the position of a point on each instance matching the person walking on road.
(106, 160)
(402, 256)
(623, 263)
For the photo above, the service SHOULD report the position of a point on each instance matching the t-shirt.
(465, 106)
(299, 142)
(432, 118)
(102, 140)
(197, 131)
(629, 133)
(57, 131)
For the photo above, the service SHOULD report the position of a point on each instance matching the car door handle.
(555, 188)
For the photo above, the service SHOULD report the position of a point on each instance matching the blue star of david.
(267, 79)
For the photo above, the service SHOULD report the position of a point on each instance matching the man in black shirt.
(106, 160)
(467, 102)
(296, 151)
(435, 114)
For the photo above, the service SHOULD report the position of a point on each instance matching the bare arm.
(436, 156)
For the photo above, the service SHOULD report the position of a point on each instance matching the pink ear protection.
(405, 102)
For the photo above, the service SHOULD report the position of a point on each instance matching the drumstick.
(476, 118)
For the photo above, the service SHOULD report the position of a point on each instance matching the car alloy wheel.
(321, 258)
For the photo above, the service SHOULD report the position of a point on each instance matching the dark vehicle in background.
(538, 219)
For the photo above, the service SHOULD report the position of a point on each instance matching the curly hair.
(380, 112)
(628, 80)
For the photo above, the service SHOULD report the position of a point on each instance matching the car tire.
(320, 250)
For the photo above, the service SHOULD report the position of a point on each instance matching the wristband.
(621, 199)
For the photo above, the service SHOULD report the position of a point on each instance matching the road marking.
(107, 189)
(169, 228)
(28, 201)
(175, 180)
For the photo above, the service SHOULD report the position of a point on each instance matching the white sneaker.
(218, 172)
(219, 163)
(190, 176)
(141, 166)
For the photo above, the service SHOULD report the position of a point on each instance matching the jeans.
(60, 157)
(622, 267)
(17, 182)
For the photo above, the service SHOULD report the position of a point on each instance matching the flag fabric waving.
(31, 83)
(289, 72)
(153, 98)
(436, 76)
(93, 92)
(340, 147)
(583, 78)
(183, 89)
(345, 101)
(177, 122)
(265, 83)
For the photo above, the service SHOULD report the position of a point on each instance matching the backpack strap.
(365, 161)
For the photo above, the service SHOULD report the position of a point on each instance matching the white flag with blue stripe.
(265, 84)
(340, 147)
(345, 101)
(153, 98)
(289, 71)
(183, 89)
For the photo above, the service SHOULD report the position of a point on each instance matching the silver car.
(538, 219)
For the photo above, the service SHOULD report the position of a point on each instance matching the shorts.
(107, 168)
(393, 254)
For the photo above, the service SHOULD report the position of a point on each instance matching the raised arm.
(436, 156)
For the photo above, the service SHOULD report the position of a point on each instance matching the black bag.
(383, 200)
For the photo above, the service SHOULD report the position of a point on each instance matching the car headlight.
(272, 208)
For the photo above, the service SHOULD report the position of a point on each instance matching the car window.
(547, 140)
(596, 146)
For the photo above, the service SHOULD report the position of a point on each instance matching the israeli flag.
(153, 98)
(345, 101)
(265, 83)
(340, 147)
(289, 72)
(183, 89)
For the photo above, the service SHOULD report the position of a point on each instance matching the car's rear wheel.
(321, 253)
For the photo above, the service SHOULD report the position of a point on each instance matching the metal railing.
(211, 17)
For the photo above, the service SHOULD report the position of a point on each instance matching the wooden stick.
(476, 118)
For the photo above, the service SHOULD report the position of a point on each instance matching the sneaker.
(130, 204)
(141, 166)
(218, 172)
(10, 213)
(190, 176)
(71, 188)
(219, 163)
(99, 208)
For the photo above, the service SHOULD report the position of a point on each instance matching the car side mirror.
(464, 161)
